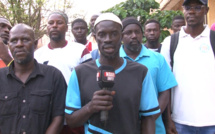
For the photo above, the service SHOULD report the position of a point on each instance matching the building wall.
(211, 14)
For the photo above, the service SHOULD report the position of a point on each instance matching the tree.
(24, 11)
(144, 10)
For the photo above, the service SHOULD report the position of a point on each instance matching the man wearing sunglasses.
(193, 101)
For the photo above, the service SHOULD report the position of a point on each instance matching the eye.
(101, 35)
(127, 32)
(13, 41)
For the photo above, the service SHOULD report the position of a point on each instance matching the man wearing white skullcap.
(128, 105)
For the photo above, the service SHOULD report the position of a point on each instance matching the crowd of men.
(147, 88)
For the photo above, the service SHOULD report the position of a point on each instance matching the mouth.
(109, 48)
(6, 36)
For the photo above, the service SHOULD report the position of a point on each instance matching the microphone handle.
(104, 114)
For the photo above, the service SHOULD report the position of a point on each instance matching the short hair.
(152, 21)
(79, 20)
(64, 15)
(178, 17)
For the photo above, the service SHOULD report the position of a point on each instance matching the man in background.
(5, 27)
(152, 34)
(163, 79)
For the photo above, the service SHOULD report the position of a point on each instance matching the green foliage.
(24, 11)
(144, 10)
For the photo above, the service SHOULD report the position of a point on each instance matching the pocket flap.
(41, 92)
(8, 96)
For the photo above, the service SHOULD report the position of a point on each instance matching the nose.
(6, 29)
(107, 38)
(19, 43)
(133, 35)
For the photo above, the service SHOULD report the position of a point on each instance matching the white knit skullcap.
(108, 16)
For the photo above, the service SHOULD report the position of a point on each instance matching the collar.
(144, 52)
(116, 71)
(204, 33)
(50, 47)
(37, 70)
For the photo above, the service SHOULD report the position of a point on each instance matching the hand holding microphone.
(105, 78)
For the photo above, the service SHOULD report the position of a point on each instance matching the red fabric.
(89, 46)
(67, 130)
(2, 64)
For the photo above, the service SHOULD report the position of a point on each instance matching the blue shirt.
(162, 75)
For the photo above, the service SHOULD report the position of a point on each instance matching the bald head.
(20, 28)
(22, 43)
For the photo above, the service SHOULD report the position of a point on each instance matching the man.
(131, 100)
(162, 77)
(177, 23)
(92, 21)
(193, 99)
(59, 52)
(32, 94)
(152, 34)
(5, 27)
(79, 31)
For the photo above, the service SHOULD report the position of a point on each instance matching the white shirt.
(193, 100)
(64, 59)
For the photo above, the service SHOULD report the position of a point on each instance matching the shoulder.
(136, 66)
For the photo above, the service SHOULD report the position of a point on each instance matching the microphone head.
(105, 76)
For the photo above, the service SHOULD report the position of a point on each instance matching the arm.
(102, 100)
(147, 125)
(168, 123)
(4, 55)
(55, 126)
(163, 100)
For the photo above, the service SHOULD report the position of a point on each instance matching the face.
(152, 32)
(4, 32)
(177, 24)
(79, 31)
(132, 38)
(92, 20)
(108, 36)
(194, 13)
(56, 27)
(22, 44)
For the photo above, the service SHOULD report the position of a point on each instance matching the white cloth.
(193, 100)
(64, 59)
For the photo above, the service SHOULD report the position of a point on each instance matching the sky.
(91, 7)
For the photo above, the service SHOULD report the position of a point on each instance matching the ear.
(206, 10)
(35, 44)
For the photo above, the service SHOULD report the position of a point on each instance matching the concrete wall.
(211, 14)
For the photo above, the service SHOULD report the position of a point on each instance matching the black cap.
(204, 2)
(131, 20)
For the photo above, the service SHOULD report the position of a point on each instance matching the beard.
(154, 44)
(134, 48)
(55, 38)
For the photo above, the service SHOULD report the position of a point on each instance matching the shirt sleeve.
(165, 78)
(165, 50)
(59, 95)
(73, 100)
(149, 103)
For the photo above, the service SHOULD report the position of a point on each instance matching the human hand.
(101, 101)
(170, 127)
